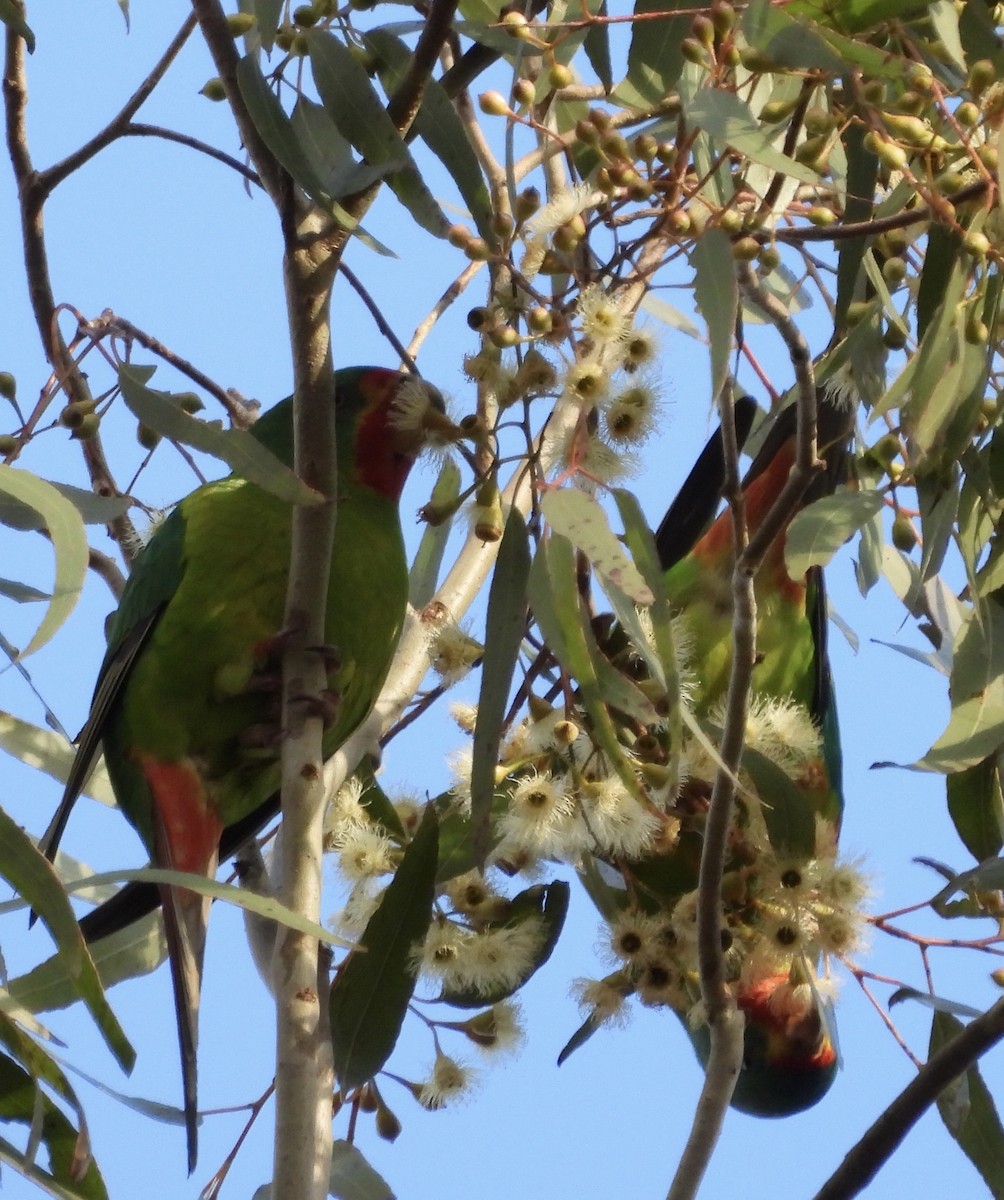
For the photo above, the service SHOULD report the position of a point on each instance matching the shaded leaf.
(439, 126)
(424, 576)
(557, 608)
(716, 290)
(976, 807)
(15, 22)
(973, 1122)
(33, 879)
(136, 950)
(22, 1102)
(353, 104)
(351, 1176)
(505, 627)
(654, 57)
(371, 991)
(787, 811)
(938, 1003)
(546, 903)
(50, 752)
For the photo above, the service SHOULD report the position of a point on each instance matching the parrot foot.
(270, 652)
(324, 704)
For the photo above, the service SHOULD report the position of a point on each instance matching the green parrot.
(790, 1059)
(186, 704)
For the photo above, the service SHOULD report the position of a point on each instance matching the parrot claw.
(261, 736)
(324, 704)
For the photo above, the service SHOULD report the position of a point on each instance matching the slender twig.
(379, 319)
(138, 129)
(54, 175)
(725, 1023)
(110, 323)
(862, 1163)
(31, 198)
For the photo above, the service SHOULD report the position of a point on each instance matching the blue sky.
(173, 243)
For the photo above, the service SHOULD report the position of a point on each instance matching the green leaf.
(787, 811)
(351, 1176)
(505, 627)
(941, 256)
(654, 58)
(557, 608)
(938, 1003)
(33, 879)
(424, 576)
(729, 121)
(716, 291)
(975, 731)
(545, 903)
(788, 42)
(597, 47)
(329, 153)
(439, 126)
(136, 950)
(970, 1115)
(371, 992)
(267, 13)
(49, 752)
(12, 18)
(93, 509)
(353, 104)
(240, 450)
(862, 174)
(24, 1103)
(69, 545)
(851, 16)
(22, 593)
(819, 530)
(976, 807)
(580, 518)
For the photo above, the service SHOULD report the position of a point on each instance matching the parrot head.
(789, 1057)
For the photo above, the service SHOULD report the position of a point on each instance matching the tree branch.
(862, 1163)
(118, 126)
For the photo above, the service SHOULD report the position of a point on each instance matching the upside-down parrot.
(185, 708)
(790, 1060)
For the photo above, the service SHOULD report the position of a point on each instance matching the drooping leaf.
(716, 290)
(65, 528)
(557, 608)
(49, 752)
(976, 807)
(819, 530)
(15, 22)
(546, 904)
(439, 126)
(136, 950)
(93, 509)
(938, 1003)
(787, 811)
(70, 1176)
(351, 1176)
(730, 122)
(243, 453)
(597, 47)
(354, 105)
(971, 1116)
(424, 576)
(505, 627)
(580, 518)
(371, 992)
(654, 57)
